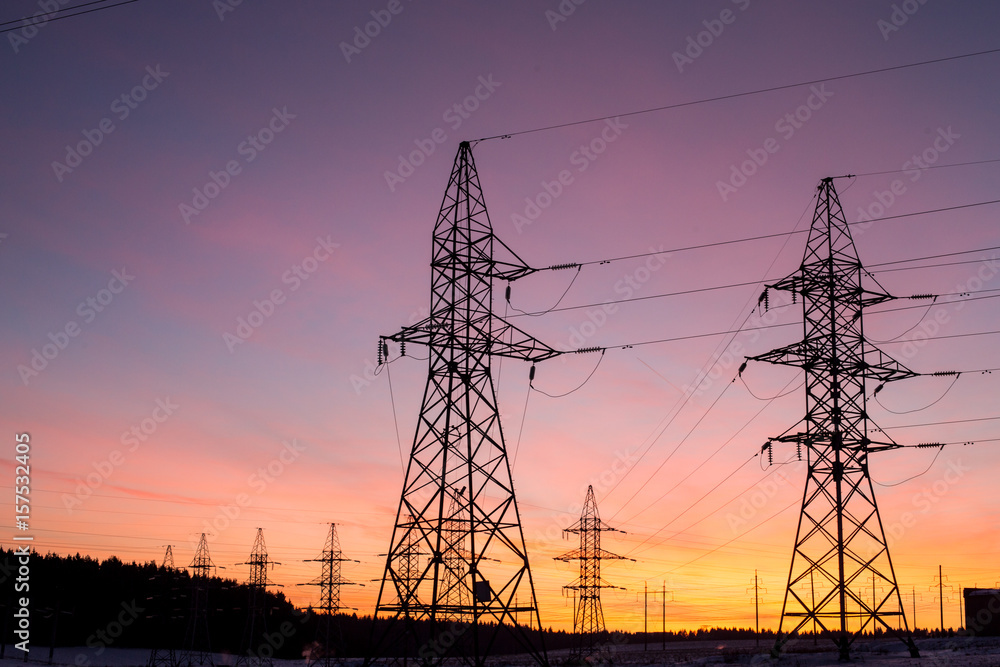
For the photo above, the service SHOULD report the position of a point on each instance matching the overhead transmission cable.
(730, 96)
(52, 16)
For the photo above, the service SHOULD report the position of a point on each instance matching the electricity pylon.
(840, 542)
(197, 646)
(253, 634)
(459, 442)
(588, 617)
(166, 657)
(329, 581)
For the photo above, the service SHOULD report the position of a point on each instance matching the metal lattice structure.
(840, 543)
(588, 617)
(476, 578)
(166, 657)
(329, 581)
(197, 645)
(257, 583)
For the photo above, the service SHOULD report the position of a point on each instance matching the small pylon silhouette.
(253, 635)
(588, 617)
(329, 581)
(197, 644)
(166, 657)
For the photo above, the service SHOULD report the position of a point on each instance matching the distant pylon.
(329, 581)
(456, 594)
(459, 441)
(166, 657)
(253, 635)
(168, 557)
(588, 619)
(840, 543)
(197, 645)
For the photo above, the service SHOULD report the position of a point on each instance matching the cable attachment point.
(743, 367)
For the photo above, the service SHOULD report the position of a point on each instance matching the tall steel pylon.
(329, 581)
(197, 645)
(253, 634)
(459, 442)
(166, 657)
(588, 617)
(840, 542)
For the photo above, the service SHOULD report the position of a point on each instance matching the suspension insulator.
(507, 294)
(531, 373)
(798, 450)
(767, 300)
(380, 343)
(402, 348)
(794, 295)
(770, 456)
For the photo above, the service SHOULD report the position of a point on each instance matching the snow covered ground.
(960, 651)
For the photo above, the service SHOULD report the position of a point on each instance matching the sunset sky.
(210, 214)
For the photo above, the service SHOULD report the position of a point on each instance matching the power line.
(64, 16)
(730, 96)
(933, 166)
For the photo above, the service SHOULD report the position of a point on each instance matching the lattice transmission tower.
(166, 657)
(477, 575)
(197, 645)
(588, 617)
(840, 543)
(329, 581)
(253, 635)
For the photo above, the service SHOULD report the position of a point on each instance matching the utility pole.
(940, 587)
(459, 441)
(839, 519)
(756, 588)
(588, 621)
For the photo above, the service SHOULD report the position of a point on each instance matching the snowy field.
(960, 651)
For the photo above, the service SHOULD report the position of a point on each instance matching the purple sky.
(223, 160)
